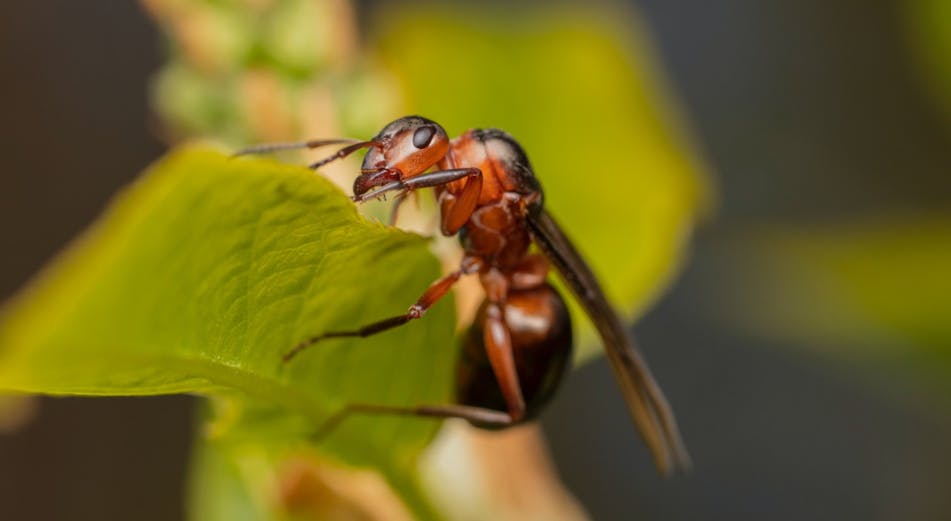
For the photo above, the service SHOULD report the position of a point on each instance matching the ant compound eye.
(423, 136)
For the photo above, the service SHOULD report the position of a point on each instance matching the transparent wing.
(645, 401)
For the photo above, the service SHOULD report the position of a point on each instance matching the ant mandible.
(517, 351)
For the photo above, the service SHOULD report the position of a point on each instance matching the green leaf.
(246, 480)
(929, 33)
(582, 97)
(206, 270)
(219, 490)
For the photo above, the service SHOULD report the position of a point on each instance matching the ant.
(517, 351)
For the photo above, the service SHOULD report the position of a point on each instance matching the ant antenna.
(343, 152)
(268, 148)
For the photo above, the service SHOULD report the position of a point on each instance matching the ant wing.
(645, 401)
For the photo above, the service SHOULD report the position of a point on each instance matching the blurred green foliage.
(873, 292)
(218, 488)
(243, 71)
(929, 29)
(203, 273)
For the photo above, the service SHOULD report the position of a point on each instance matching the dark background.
(807, 110)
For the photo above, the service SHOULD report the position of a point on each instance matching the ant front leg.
(435, 292)
(462, 207)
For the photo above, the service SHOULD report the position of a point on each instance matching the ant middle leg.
(435, 292)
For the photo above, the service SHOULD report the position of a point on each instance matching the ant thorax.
(504, 165)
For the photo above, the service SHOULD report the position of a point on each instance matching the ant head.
(409, 145)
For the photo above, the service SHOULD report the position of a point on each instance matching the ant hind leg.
(476, 415)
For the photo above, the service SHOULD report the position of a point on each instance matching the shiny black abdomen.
(541, 344)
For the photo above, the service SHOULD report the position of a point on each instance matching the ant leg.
(267, 148)
(437, 178)
(498, 346)
(457, 210)
(395, 210)
(436, 291)
(477, 415)
(398, 203)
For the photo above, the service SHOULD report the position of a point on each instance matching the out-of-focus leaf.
(234, 479)
(219, 490)
(203, 273)
(580, 93)
(241, 72)
(875, 292)
(929, 28)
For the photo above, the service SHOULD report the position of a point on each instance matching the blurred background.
(805, 344)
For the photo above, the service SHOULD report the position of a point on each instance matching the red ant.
(516, 352)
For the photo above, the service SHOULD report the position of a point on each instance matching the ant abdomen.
(540, 328)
